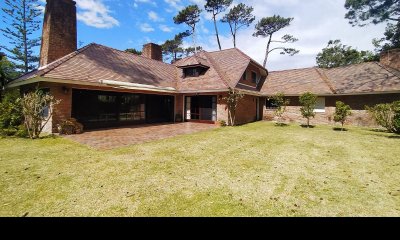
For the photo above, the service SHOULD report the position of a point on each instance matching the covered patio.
(105, 139)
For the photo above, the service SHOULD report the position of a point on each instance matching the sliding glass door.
(201, 108)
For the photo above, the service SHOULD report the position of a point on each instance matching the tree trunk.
(308, 122)
(25, 37)
(267, 51)
(216, 32)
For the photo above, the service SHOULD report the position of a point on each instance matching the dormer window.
(191, 72)
(194, 71)
(254, 77)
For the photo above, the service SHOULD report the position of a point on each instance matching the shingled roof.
(370, 77)
(95, 63)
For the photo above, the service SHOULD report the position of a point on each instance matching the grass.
(253, 170)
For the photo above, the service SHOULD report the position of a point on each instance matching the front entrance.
(201, 108)
(100, 109)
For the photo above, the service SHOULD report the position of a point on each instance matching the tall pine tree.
(21, 22)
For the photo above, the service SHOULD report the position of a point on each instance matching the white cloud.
(153, 16)
(165, 28)
(94, 13)
(176, 4)
(137, 2)
(145, 27)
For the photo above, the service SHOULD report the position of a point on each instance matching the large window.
(96, 109)
(194, 71)
(270, 104)
(320, 106)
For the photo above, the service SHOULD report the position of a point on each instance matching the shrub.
(70, 126)
(387, 115)
(232, 101)
(281, 104)
(37, 108)
(342, 111)
(308, 102)
(10, 112)
(222, 123)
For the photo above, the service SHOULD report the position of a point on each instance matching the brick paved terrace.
(105, 139)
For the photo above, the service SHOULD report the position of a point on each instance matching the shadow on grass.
(281, 124)
(394, 136)
(339, 129)
(307, 126)
(50, 136)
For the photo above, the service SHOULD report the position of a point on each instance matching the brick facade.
(59, 37)
(152, 51)
(359, 117)
(391, 58)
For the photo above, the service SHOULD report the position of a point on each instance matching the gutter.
(136, 86)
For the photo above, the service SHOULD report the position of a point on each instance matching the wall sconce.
(65, 89)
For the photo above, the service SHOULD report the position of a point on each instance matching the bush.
(222, 123)
(342, 111)
(10, 111)
(69, 127)
(387, 115)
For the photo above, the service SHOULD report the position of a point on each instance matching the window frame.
(253, 73)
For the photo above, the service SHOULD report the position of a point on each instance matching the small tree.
(308, 102)
(232, 101)
(342, 111)
(281, 103)
(37, 108)
(10, 111)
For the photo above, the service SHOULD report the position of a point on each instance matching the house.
(105, 87)
(358, 85)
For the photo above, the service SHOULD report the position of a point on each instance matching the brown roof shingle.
(370, 77)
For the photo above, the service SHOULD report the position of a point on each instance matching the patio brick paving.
(119, 137)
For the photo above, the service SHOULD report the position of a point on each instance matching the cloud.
(153, 16)
(176, 4)
(314, 28)
(165, 28)
(95, 14)
(137, 2)
(145, 27)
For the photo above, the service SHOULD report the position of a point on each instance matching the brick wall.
(247, 110)
(152, 51)
(359, 116)
(59, 37)
(391, 58)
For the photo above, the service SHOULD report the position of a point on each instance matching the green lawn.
(253, 170)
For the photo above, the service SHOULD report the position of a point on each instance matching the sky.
(123, 24)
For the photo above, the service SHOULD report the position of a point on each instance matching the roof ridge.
(217, 69)
(396, 73)
(251, 59)
(132, 54)
(325, 78)
(286, 70)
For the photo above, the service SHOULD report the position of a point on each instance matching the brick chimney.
(59, 31)
(391, 58)
(152, 51)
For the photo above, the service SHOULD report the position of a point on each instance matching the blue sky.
(125, 24)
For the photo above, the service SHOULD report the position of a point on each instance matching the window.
(191, 72)
(244, 76)
(320, 106)
(254, 77)
(270, 104)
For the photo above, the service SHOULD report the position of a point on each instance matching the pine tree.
(21, 23)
